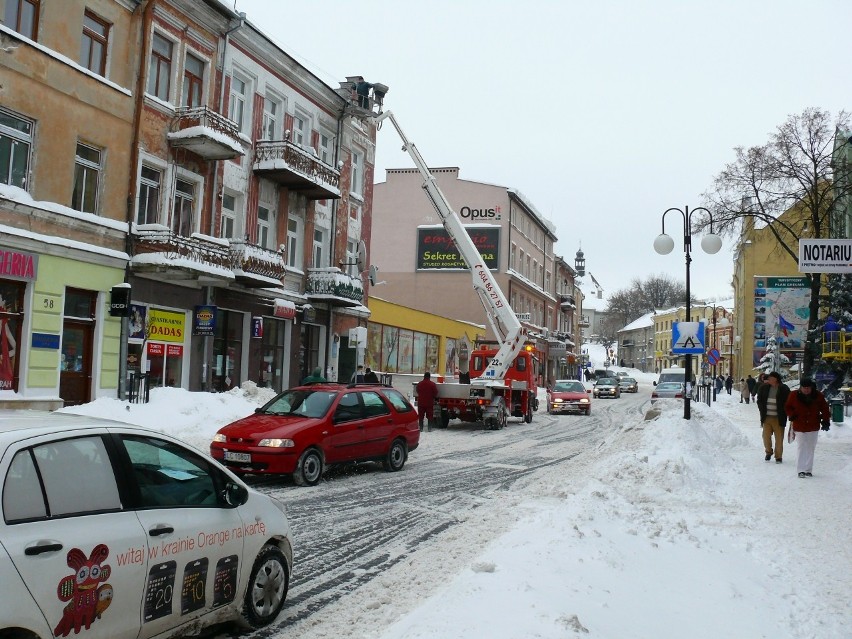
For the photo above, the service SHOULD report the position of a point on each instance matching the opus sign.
(436, 250)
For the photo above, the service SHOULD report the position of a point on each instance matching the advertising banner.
(781, 311)
(436, 250)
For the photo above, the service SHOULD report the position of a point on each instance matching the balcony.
(332, 286)
(205, 133)
(287, 164)
(567, 303)
(584, 322)
(198, 259)
(255, 266)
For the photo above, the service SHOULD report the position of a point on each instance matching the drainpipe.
(332, 239)
(138, 103)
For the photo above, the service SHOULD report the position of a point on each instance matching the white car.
(114, 531)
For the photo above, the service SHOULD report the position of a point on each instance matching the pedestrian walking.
(729, 384)
(315, 377)
(752, 386)
(720, 383)
(745, 393)
(358, 375)
(807, 410)
(427, 392)
(370, 376)
(771, 402)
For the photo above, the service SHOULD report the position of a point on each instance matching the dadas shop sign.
(436, 250)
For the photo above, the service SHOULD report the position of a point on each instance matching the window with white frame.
(272, 110)
(357, 186)
(513, 255)
(239, 99)
(184, 206)
(293, 235)
(326, 147)
(351, 258)
(266, 215)
(230, 206)
(193, 81)
(150, 185)
(301, 130)
(319, 240)
(160, 67)
(16, 139)
(87, 170)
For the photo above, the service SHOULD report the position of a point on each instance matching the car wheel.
(588, 412)
(267, 587)
(445, 418)
(529, 414)
(309, 468)
(397, 454)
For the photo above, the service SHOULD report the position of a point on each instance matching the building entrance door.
(75, 375)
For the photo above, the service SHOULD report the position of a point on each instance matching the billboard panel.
(435, 249)
(776, 298)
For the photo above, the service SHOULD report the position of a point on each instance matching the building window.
(149, 196)
(351, 258)
(229, 216)
(266, 215)
(300, 130)
(319, 235)
(160, 68)
(93, 47)
(271, 118)
(193, 80)
(293, 234)
(22, 16)
(87, 169)
(183, 208)
(263, 216)
(16, 137)
(357, 172)
(326, 149)
(239, 93)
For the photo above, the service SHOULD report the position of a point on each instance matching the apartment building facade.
(171, 148)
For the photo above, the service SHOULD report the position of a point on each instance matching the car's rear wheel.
(445, 418)
(397, 454)
(267, 587)
(529, 414)
(309, 468)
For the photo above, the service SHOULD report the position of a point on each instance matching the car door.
(378, 425)
(79, 552)
(345, 439)
(195, 539)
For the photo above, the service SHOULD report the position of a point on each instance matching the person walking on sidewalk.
(427, 392)
(807, 410)
(752, 386)
(745, 393)
(729, 384)
(771, 401)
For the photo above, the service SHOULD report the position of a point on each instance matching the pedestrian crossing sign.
(688, 338)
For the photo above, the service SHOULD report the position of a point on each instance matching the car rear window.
(398, 401)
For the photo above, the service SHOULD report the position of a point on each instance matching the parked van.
(676, 374)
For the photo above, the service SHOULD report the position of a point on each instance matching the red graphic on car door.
(88, 597)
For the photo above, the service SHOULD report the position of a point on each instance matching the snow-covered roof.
(645, 321)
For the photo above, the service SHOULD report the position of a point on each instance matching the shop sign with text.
(436, 250)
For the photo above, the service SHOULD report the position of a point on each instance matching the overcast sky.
(602, 113)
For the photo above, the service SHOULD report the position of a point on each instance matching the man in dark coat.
(370, 376)
(729, 384)
(427, 392)
(751, 382)
(771, 401)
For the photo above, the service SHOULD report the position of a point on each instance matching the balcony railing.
(334, 286)
(256, 266)
(177, 254)
(567, 302)
(584, 322)
(205, 132)
(289, 165)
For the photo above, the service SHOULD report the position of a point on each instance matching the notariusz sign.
(825, 256)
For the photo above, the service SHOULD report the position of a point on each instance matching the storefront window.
(272, 360)
(394, 350)
(11, 313)
(227, 350)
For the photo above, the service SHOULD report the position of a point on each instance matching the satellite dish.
(374, 274)
(361, 259)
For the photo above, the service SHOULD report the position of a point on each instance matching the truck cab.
(520, 378)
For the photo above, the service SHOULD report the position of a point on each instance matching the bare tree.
(790, 176)
(643, 296)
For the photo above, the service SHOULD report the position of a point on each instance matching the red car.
(568, 396)
(306, 429)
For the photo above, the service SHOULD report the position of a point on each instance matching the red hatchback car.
(306, 429)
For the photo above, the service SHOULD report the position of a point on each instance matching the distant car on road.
(628, 384)
(607, 387)
(305, 429)
(568, 396)
(667, 390)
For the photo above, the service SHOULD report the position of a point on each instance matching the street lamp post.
(710, 243)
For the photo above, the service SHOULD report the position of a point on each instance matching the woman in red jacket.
(806, 410)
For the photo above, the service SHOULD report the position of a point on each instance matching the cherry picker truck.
(503, 379)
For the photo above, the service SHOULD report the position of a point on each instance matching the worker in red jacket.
(427, 392)
(806, 410)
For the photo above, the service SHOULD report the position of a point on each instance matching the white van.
(676, 374)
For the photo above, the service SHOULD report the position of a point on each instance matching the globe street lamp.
(710, 243)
